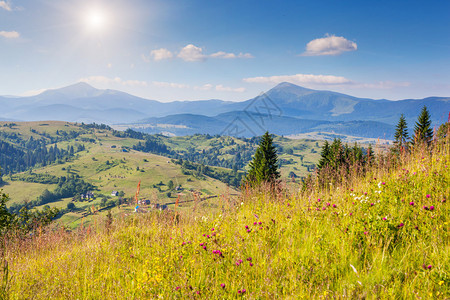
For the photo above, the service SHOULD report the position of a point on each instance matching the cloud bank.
(192, 53)
(329, 45)
(9, 34)
(5, 5)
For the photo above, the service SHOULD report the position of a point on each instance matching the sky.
(231, 50)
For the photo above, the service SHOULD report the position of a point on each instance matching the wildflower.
(243, 291)
(318, 200)
(241, 261)
(255, 223)
(431, 207)
(429, 267)
(178, 288)
(246, 226)
(323, 208)
(202, 244)
(425, 207)
(384, 219)
(249, 230)
(328, 204)
(260, 223)
(334, 205)
(411, 203)
(251, 264)
(400, 225)
(383, 183)
(351, 214)
(441, 282)
(249, 259)
(428, 196)
(365, 232)
(372, 204)
(222, 285)
(212, 229)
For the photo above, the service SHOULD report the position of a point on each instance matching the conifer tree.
(264, 166)
(401, 133)
(324, 160)
(423, 133)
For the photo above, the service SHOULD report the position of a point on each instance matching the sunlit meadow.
(384, 235)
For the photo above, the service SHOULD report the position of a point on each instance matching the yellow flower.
(441, 282)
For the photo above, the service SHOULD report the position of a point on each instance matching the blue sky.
(232, 50)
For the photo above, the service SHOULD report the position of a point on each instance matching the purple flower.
(243, 291)
(425, 207)
(334, 205)
(351, 214)
(251, 264)
(411, 203)
(318, 200)
(255, 223)
(212, 229)
(222, 285)
(202, 244)
(429, 267)
(204, 247)
(431, 207)
(428, 196)
(249, 230)
(383, 183)
(178, 288)
(384, 219)
(260, 223)
(246, 226)
(249, 259)
(328, 204)
(365, 232)
(371, 204)
(323, 208)
(400, 225)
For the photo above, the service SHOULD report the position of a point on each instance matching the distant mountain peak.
(77, 90)
(287, 87)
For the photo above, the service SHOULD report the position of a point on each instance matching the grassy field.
(381, 236)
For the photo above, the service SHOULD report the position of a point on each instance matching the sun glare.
(96, 20)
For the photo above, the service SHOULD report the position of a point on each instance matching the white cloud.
(329, 45)
(221, 88)
(192, 53)
(9, 34)
(225, 55)
(5, 5)
(312, 81)
(205, 87)
(115, 80)
(161, 54)
(301, 79)
(170, 85)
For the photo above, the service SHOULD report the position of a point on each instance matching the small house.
(115, 193)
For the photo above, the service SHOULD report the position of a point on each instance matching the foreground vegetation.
(381, 235)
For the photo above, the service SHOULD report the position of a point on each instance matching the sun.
(96, 20)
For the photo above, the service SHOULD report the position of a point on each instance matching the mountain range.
(285, 109)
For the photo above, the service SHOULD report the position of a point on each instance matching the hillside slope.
(385, 236)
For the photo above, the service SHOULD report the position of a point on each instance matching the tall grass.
(384, 235)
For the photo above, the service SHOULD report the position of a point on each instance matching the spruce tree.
(324, 160)
(264, 165)
(423, 133)
(401, 133)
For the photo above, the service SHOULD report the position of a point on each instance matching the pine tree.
(401, 133)
(264, 166)
(423, 133)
